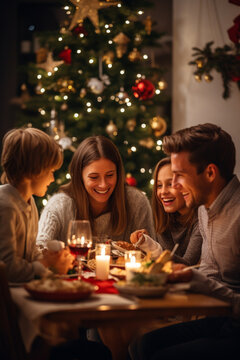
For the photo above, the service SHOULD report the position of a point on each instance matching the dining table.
(117, 316)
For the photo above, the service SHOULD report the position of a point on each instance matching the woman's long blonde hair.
(92, 149)
(163, 220)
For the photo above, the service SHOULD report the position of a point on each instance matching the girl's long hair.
(92, 149)
(163, 220)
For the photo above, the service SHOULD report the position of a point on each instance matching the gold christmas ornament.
(162, 84)
(199, 63)
(208, 78)
(131, 124)
(108, 57)
(121, 40)
(50, 64)
(148, 25)
(159, 125)
(147, 142)
(134, 55)
(198, 77)
(88, 9)
(65, 86)
(112, 129)
(41, 55)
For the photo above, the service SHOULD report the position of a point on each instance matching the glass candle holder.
(132, 263)
(102, 261)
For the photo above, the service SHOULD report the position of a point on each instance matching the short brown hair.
(206, 144)
(163, 220)
(91, 149)
(27, 152)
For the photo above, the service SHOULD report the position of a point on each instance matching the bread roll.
(157, 266)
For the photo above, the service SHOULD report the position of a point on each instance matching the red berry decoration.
(143, 89)
(130, 180)
(66, 55)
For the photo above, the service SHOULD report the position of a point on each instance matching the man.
(203, 161)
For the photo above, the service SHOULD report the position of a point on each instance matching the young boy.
(29, 158)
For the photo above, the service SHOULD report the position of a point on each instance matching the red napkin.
(104, 287)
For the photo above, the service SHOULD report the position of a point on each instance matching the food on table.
(157, 266)
(120, 273)
(120, 260)
(58, 285)
(125, 245)
(92, 264)
(144, 279)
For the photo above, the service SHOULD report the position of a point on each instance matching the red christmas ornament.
(143, 89)
(234, 31)
(79, 30)
(130, 180)
(66, 55)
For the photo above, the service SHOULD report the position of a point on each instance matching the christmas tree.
(97, 75)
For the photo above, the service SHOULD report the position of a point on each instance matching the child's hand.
(61, 260)
(135, 236)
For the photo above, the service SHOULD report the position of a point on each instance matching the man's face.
(194, 187)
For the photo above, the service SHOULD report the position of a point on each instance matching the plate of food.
(144, 285)
(118, 273)
(122, 246)
(59, 290)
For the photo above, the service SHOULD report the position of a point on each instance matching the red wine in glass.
(79, 249)
(79, 240)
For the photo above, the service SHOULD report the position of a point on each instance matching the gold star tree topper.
(88, 8)
(50, 64)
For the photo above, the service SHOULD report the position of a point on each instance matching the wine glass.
(79, 240)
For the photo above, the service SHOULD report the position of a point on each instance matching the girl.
(97, 192)
(174, 222)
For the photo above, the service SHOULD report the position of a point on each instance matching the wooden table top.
(174, 304)
(117, 325)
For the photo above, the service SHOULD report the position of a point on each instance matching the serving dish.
(59, 290)
(141, 291)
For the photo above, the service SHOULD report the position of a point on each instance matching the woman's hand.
(179, 274)
(135, 236)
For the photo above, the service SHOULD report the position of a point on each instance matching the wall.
(194, 24)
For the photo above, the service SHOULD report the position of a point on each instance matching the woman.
(97, 192)
(174, 222)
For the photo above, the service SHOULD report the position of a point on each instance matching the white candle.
(131, 267)
(132, 263)
(102, 263)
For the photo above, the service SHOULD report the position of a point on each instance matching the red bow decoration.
(234, 31)
(236, 2)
